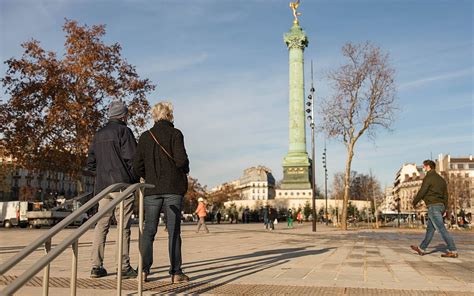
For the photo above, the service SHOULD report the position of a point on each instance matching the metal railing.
(73, 239)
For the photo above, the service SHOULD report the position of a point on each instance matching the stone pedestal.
(296, 165)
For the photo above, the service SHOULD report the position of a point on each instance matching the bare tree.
(459, 195)
(364, 99)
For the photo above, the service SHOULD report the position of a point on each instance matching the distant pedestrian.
(272, 218)
(110, 158)
(300, 217)
(162, 161)
(265, 217)
(290, 218)
(201, 212)
(219, 217)
(246, 215)
(434, 193)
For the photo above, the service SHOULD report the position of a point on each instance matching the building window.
(471, 165)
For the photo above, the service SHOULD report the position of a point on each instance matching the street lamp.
(310, 117)
(325, 180)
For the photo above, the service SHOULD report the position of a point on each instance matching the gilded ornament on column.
(294, 6)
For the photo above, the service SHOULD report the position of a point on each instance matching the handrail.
(71, 239)
(58, 227)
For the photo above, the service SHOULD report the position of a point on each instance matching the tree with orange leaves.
(57, 103)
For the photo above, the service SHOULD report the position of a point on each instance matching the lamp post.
(398, 210)
(310, 117)
(325, 180)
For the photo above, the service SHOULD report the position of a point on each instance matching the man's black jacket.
(151, 162)
(111, 154)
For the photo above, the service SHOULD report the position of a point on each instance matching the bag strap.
(163, 148)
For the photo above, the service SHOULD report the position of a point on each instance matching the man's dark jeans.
(172, 204)
(435, 222)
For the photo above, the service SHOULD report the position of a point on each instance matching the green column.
(296, 163)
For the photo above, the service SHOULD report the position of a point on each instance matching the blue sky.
(224, 65)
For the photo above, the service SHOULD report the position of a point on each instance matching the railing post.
(47, 248)
(75, 250)
(120, 249)
(72, 240)
(140, 244)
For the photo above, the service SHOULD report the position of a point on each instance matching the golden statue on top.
(294, 6)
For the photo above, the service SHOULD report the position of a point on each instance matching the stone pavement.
(246, 259)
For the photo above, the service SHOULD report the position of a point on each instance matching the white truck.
(38, 216)
(13, 213)
(24, 213)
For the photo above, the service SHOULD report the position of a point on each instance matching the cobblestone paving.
(198, 288)
(241, 259)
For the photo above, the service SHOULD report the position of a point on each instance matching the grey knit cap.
(117, 109)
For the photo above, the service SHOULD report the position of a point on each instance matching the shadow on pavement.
(236, 267)
(438, 249)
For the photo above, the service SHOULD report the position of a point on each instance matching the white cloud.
(170, 63)
(436, 78)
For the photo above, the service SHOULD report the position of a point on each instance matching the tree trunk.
(375, 211)
(345, 202)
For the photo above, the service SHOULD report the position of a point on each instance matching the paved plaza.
(246, 259)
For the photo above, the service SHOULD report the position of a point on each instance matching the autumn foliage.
(57, 102)
(195, 191)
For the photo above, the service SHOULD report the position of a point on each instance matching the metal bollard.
(120, 227)
(47, 248)
(75, 250)
(140, 244)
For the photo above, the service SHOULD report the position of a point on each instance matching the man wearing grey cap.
(110, 158)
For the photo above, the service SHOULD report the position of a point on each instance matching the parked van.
(13, 213)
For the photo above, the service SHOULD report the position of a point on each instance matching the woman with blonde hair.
(161, 160)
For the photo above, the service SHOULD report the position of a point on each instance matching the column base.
(296, 177)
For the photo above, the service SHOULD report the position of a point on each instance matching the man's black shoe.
(98, 272)
(129, 273)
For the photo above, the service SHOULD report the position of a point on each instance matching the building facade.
(257, 183)
(459, 174)
(407, 183)
(20, 184)
(388, 205)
